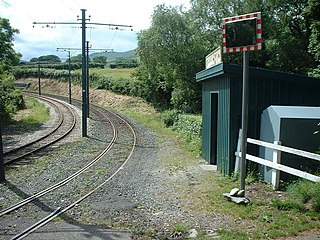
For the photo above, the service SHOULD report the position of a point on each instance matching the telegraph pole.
(87, 52)
(88, 112)
(39, 83)
(69, 79)
(2, 174)
(84, 76)
(84, 62)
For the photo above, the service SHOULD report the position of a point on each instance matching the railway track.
(123, 136)
(65, 124)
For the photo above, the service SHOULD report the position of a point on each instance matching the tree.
(171, 52)
(285, 30)
(34, 60)
(76, 59)
(288, 36)
(8, 57)
(173, 49)
(313, 17)
(10, 99)
(49, 59)
(99, 59)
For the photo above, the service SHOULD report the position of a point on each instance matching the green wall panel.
(265, 88)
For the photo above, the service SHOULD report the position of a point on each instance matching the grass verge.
(28, 119)
(261, 219)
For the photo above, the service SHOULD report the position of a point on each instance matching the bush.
(188, 126)
(169, 117)
(11, 99)
(121, 86)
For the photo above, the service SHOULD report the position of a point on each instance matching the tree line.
(173, 49)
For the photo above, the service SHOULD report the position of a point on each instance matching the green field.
(114, 73)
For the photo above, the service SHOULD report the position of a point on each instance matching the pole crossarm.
(79, 23)
(109, 24)
(82, 22)
(56, 23)
(79, 49)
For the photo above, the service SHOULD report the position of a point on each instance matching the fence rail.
(276, 160)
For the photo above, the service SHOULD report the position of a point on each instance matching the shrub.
(121, 86)
(169, 117)
(188, 126)
(10, 99)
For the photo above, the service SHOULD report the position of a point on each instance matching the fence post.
(276, 158)
(237, 163)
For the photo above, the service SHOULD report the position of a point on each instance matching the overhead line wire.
(6, 3)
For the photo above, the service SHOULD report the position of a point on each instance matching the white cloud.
(37, 41)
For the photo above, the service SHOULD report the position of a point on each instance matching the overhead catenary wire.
(84, 22)
(6, 3)
(114, 35)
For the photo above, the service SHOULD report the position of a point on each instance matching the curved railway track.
(65, 124)
(118, 124)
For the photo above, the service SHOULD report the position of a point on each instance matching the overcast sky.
(39, 40)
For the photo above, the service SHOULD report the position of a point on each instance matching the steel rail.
(55, 214)
(54, 129)
(49, 143)
(27, 231)
(66, 180)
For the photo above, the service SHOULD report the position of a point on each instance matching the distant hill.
(112, 56)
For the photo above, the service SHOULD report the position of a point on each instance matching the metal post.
(2, 174)
(84, 78)
(69, 78)
(244, 122)
(39, 84)
(88, 112)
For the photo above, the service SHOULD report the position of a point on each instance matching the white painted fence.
(275, 163)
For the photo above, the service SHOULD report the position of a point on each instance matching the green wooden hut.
(221, 106)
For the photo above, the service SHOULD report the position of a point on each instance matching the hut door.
(213, 127)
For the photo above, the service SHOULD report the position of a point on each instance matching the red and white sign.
(241, 18)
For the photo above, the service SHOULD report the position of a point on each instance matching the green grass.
(35, 113)
(180, 228)
(262, 218)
